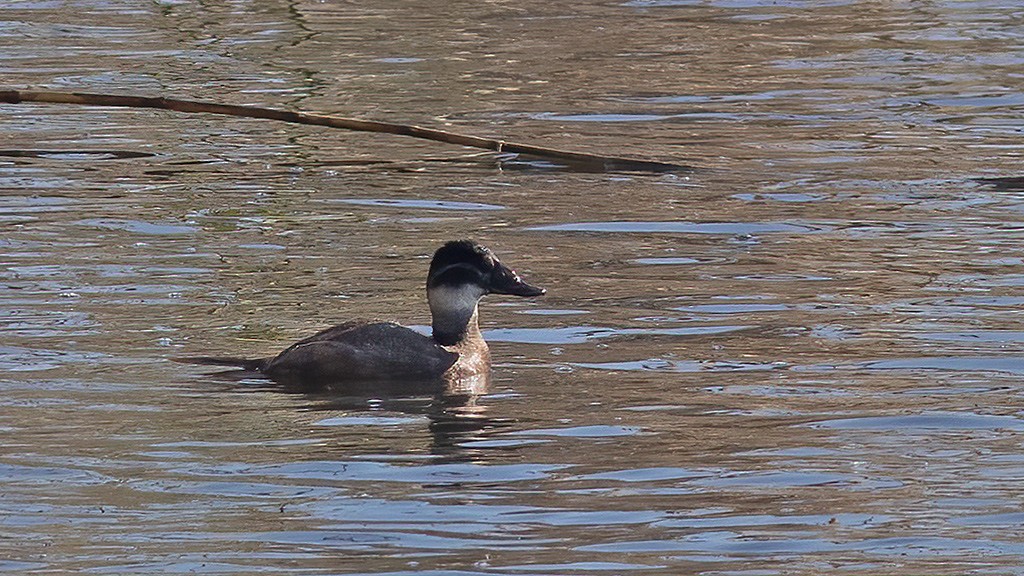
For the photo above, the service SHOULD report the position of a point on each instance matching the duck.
(351, 355)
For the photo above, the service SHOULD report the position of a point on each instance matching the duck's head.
(460, 274)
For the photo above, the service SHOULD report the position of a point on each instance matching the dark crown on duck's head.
(464, 262)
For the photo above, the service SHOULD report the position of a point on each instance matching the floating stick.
(574, 159)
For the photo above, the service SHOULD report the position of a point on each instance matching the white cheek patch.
(455, 301)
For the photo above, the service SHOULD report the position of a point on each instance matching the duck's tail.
(252, 365)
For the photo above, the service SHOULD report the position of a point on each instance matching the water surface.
(802, 359)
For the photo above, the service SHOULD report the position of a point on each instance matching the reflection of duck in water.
(383, 356)
(458, 426)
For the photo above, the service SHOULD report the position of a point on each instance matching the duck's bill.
(505, 281)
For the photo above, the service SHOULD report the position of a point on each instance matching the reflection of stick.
(574, 159)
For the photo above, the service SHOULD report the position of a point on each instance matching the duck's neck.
(454, 315)
(450, 331)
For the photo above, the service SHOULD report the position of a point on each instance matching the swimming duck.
(347, 355)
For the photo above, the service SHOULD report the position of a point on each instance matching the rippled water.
(804, 358)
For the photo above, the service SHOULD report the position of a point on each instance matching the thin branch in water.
(577, 160)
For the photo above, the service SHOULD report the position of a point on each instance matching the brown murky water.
(805, 358)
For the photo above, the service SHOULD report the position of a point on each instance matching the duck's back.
(360, 351)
